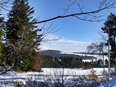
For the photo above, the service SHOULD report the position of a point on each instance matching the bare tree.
(98, 48)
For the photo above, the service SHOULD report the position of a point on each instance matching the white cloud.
(72, 41)
(64, 45)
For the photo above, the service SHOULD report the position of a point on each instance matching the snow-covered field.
(68, 77)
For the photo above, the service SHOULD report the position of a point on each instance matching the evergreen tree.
(22, 38)
(110, 29)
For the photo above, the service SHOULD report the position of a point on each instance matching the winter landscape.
(57, 43)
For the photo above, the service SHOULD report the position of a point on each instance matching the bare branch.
(90, 20)
(80, 8)
(69, 4)
(4, 4)
(105, 5)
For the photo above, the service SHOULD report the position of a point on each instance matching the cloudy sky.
(64, 45)
(69, 34)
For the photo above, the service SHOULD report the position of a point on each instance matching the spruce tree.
(22, 38)
(110, 29)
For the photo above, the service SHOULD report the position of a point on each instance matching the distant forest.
(56, 60)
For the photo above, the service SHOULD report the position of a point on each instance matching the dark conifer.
(110, 29)
(22, 38)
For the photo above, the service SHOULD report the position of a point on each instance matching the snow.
(74, 71)
(111, 83)
(54, 73)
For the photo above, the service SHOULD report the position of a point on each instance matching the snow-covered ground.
(110, 83)
(53, 75)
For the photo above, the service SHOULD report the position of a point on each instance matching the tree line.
(71, 62)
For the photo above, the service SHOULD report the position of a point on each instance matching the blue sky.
(73, 35)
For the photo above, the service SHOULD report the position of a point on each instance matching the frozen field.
(68, 77)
